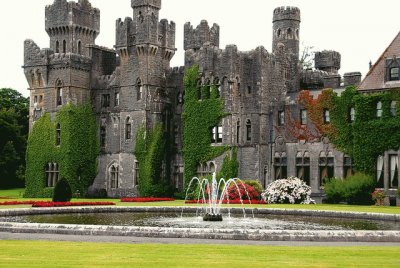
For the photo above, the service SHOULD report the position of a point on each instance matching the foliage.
(378, 196)
(151, 151)
(287, 191)
(230, 166)
(199, 117)
(76, 156)
(146, 199)
(62, 191)
(13, 135)
(243, 191)
(255, 184)
(355, 189)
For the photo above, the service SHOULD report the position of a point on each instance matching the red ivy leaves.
(146, 199)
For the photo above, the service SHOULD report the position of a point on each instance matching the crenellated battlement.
(167, 33)
(140, 3)
(328, 60)
(123, 31)
(286, 13)
(196, 38)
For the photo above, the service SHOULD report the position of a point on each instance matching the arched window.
(59, 89)
(58, 135)
(278, 33)
(206, 90)
(379, 109)
(289, 33)
(64, 46)
(393, 108)
(79, 47)
(39, 78)
(139, 89)
(57, 47)
(114, 177)
(52, 174)
(248, 130)
(128, 129)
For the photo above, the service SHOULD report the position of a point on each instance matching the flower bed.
(14, 203)
(47, 204)
(146, 199)
(235, 201)
(288, 191)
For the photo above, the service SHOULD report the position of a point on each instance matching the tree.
(307, 57)
(14, 125)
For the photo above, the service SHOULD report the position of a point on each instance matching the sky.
(359, 30)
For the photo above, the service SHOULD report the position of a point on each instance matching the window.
(379, 109)
(394, 74)
(79, 47)
(249, 90)
(379, 172)
(64, 47)
(326, 167)
(348, 167)
(352, 115)
(289, 33)
(59, 94)
(278, 33)
(139, 90)
(393, 108)
(248, 130)
(394, 170)
(128, 129)
(303, 167)
(280, 166)
(281, 118)
(105, 100)
(40, 98)
(327, 117)
(303, 117)
(136, 177)
(39, 75)
(33, 79)
(52, 174)
(116, 99)
(57, 47)
(103, 137)
(205, 169)
(35, 100)
(217, 134)
(58, 135)
(114, 176)
(238, 132)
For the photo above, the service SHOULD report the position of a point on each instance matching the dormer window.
(394, 74)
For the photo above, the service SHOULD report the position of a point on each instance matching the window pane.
(303, 115)
(394, 73)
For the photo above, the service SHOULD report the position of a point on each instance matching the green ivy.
(151, 151)
(199, 117)
(76, 155)
(230, 166)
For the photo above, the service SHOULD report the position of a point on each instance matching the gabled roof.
(375, 78)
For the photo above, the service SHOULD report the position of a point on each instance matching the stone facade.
(133, 85)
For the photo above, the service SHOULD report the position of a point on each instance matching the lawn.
(76, 254)
(16, 194)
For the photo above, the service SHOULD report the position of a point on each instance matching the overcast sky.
(359, 30)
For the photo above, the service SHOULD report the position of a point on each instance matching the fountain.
(211, 196)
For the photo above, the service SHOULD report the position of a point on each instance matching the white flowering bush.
(287, 191)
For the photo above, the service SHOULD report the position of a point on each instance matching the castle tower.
(72, 26)
(286, 29)
(328, 61)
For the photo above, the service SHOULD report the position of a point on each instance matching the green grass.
(76, 254)
(16, 194)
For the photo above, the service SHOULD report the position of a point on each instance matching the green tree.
(14, 127)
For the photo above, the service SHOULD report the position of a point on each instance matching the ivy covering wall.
(151, 151)
(368, 136)
(75, 156)
(203, 111)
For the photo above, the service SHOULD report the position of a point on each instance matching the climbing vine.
(230, 166)
(151, 152)
(75, 156)
(199, 117)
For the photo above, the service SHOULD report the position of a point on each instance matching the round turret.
(328, 61)
(286, 29)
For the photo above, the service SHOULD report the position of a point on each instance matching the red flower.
(146, 199)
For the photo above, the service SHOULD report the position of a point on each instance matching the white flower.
(291, 190)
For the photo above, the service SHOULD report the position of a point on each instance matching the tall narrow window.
(58, 135)
(52, 174)
(348, 167)
(103, 137)
(79, 47)
(35, 100)
(393, 108)
(139, 90)
(326, 167)
(379, 109)
(57, 47)
(281, 118)
(33, 80)
(64, 46)
(238, 132)
(327, 116)
(280, 165)
(352, 115)
(394, 171)
(249, 90)
(219, 87)
(114, 177)
(379, 171)
(105, 100)
(303, 117)
(128, 129)
(39, 77)
(59, 94)
(303, 167)
(136, 177)
(116, 99)
(248, 130)
(394, 74)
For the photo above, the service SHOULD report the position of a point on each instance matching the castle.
(133, 84)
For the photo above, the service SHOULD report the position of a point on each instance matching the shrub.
(287, 191)
(378, 196)
(62, 191)
(255, 184)
(355, 190)
(398, 192)
(245, 192)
